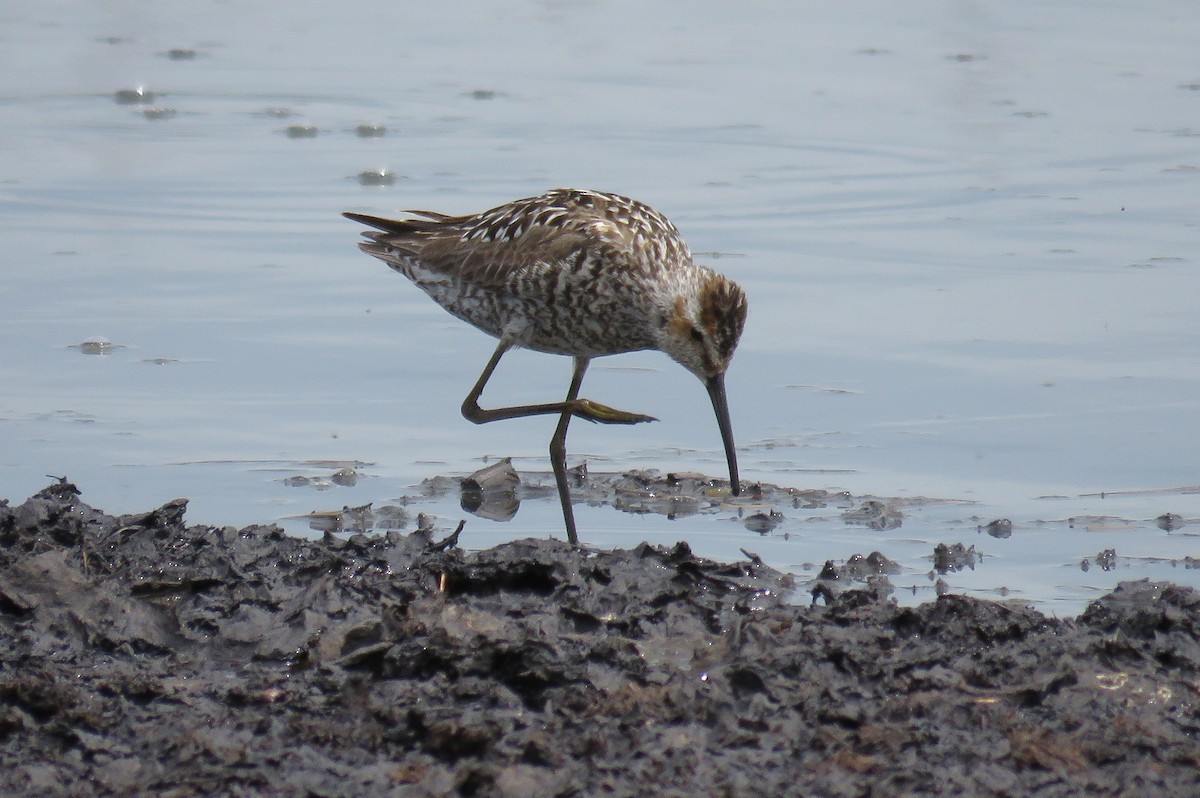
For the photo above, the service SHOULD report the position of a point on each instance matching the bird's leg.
(558, 451)
(584, 408)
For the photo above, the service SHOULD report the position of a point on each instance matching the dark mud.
(143, 657)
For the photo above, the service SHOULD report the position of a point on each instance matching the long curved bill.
(716, 391)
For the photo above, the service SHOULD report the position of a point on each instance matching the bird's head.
(703, 325)
(700, 331)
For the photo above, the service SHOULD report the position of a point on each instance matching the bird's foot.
(603, 414)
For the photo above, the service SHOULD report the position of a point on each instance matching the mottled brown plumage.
(572, 272)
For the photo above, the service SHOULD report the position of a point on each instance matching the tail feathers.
(388, 248)
(437, 217)
(400, 226)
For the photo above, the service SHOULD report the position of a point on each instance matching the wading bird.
(571, 272)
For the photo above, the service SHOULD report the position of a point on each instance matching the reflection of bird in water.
(577, 273)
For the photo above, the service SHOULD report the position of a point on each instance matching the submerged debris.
(955, 557)
(763, 523)
(874, 514)
(377, 177)
(1169, 522)
(1001, 528)
(138, 96)
(97, 346)
(302, 131)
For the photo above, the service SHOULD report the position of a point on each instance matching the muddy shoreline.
(142, 656)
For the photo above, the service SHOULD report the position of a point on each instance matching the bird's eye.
(697, 336)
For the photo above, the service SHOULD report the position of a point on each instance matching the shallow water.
(968, 235)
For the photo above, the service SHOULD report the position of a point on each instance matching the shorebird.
(572, 272)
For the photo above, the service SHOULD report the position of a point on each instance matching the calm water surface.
(969, 236)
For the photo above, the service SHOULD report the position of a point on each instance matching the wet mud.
(142, 656)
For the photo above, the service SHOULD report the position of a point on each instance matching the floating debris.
(1168, 522)
(491, 492)
(97, 346)
(181, 54)
(953, 558)
(872, 570)
(762, 523)
(497, 491)
(874, 514)
(1000, 528)
(390, 516)
(349, 519)
(499, 476)
(860, 567)
(138, 96)
(302, 131)
(381, 177)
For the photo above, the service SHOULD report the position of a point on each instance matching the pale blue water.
(969, 236)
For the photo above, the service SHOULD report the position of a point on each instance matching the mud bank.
(140, 656)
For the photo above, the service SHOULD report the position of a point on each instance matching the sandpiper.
(572, 272)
